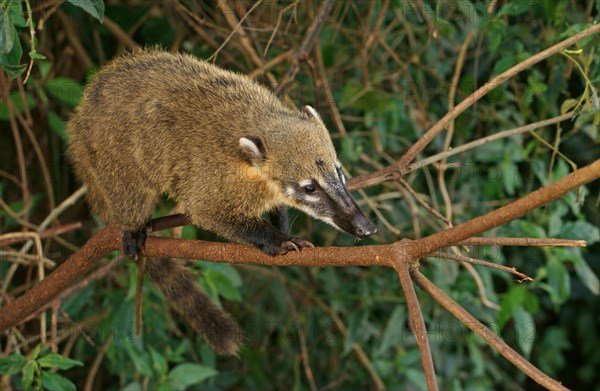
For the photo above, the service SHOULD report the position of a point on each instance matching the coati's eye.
(310, 188)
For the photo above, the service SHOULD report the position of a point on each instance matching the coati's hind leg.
(134, 214)
(134, 241)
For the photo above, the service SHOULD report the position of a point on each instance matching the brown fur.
(156, 123)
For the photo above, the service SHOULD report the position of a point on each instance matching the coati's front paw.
(134, 241)
(293, 244)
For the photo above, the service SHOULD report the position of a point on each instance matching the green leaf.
(15, 13)
(225, 269)
(586, 275)
(162, 385)
(394, 330)
(15, 99)
(65, 90)
(581, 230)
(140, 360)
(158, 362)
(189, 232)
(350, 150)
(509, 304)
(223, 285)
(35, 55)
(28, 373)
(36, 352)
(12, 364)
(514, 8)
(497, 30)
(134, 386)
(533, 90)
(417, 378)
(92, 7)
(7, 33)
(532, 230)
(57, 125)
(54, 381)
(11, 60)
(510, 176)
(187, 374)
(525, 330)
(558, 281)
(54, 360)
(503, 64)
(567, 105)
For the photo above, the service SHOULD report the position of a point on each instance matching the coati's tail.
(181, 288)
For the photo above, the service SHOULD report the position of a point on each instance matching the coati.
(223, 146)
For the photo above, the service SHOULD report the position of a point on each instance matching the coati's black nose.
(363, 227)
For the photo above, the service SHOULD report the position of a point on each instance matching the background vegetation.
(380, 74)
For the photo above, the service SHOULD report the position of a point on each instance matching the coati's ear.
(253, 149)
(311, 113)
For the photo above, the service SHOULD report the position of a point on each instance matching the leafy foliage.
(321, 321)
(36, 372)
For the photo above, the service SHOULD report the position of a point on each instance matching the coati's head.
(299, 160)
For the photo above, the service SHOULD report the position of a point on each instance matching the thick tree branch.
(511, 211)
(417, 323)
(390, 255)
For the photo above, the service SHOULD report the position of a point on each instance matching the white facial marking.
(289, 191)
(330, 222)
(305, 182)
(312, 214)
(312, 112)
(338, 165)
(249, 144)
(310, 198)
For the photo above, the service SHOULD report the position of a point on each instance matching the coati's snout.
(348, 217)
(360, 226)
(327, 198)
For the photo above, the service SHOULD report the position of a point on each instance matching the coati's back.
(158, 121)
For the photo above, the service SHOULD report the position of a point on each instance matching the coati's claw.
(301, 243)
(294, 244)
(134, 241)
(288, 246)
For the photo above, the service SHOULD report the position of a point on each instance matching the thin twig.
(91, 376)
(475, 261)
(529, 242)
(24, 259)
(480, 287)
(484, 140)
(237, 27)
(120, 34)
(54, 213)
(19, 150)
(48, 233)
(450, 133)
(245, 41)
(306, 46)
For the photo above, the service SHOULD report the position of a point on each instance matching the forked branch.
(390, 255)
